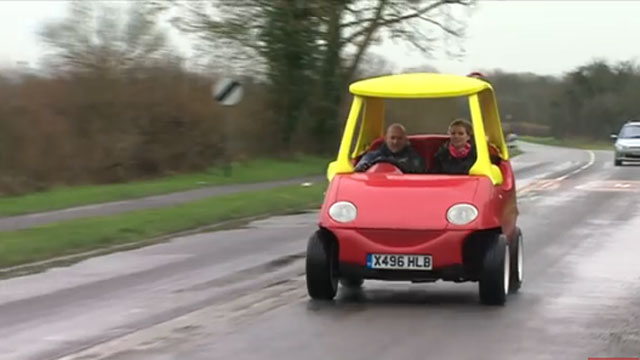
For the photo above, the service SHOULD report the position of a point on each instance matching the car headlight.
(343, 211)
(462, 214)
(620, 147)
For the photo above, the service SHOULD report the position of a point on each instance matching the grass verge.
(580, 143)
(252, 171)
(76, 236)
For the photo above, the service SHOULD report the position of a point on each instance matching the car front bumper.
(627, 155)
(444, 246)
(454, 272)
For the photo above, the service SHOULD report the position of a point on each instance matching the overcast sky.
(545, 37)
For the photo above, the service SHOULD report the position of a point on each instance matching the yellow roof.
(418, 85)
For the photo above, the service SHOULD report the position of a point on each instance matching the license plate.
(399, 262)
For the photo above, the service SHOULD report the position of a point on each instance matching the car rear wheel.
(517, 258)
(494, 279)
(321, 266)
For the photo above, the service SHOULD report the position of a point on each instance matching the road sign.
(228, 92)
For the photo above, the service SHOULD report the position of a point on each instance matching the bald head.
(396, 137)
(397, 126)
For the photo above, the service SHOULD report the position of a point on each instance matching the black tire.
(494, 279)
(617, 162)
(321, 266)
(351, 282)
(516, 275)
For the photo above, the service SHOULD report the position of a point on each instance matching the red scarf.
(459, 153)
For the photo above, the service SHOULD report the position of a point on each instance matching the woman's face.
(459, 136)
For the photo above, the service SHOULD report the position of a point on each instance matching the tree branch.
(358, 13)
(369, 31)
(416, 14)
(440, 25)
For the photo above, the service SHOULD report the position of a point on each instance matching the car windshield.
(630, 132)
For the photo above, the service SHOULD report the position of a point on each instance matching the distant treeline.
(590, 101)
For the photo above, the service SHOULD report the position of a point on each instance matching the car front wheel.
(321, 266)
(495, 276)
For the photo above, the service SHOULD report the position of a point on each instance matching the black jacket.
(444, 163)
(406, 160)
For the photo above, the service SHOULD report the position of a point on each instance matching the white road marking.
(610, 185)
(592, 160)
(552, 184)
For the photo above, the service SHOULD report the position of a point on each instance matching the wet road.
(240, 294)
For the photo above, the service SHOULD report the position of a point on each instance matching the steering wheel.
(378, 160)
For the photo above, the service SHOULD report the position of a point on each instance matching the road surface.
(240, 294)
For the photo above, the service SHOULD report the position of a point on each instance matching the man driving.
(396, 150)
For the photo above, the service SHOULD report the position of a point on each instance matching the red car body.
(406, 214)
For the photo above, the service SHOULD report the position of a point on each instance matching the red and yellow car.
(386, 225)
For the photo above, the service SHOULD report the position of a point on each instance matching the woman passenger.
(458, 154)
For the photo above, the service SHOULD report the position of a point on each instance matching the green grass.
(580, 143)
(251, 171)
(75, 236)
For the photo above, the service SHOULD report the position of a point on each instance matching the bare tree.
(94, 37)
(310, 49)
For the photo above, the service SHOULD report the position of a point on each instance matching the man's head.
(396, 138)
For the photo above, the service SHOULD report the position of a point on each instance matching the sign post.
(227, 92)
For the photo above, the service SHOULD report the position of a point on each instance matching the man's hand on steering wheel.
(362, 167)
(368, 165)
